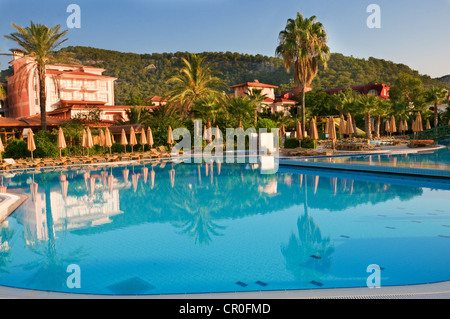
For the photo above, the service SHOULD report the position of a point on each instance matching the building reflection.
(55, 209)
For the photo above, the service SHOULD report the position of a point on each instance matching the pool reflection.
(198, 200)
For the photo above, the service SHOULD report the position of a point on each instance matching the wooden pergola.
(13, 128)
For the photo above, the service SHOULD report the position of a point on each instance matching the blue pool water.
(192, 228)
(431, 159)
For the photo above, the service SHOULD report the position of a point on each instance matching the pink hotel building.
(70, 90)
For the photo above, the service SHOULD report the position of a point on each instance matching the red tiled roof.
(57, 72)
(283, 100)
(254, 84)
(156, 99)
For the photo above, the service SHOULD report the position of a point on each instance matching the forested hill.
(145, 75)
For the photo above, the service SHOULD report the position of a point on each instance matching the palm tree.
(303, 44)
(256, 96)
(194, 81)
(39, 42)
(382, 109)
(207, 109)
(367, 104)
(436, 96)
(344, 100)
(240, 108)
(136, 115)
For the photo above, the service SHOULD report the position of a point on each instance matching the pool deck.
(440, 290)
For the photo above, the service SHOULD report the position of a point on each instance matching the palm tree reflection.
(308, 255)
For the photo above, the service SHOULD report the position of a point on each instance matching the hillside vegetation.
(145, 75)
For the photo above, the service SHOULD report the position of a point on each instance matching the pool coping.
(439, 290)
(379, 169)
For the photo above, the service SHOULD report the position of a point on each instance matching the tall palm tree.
(195, 80)
(366, 105)
(39, 42)
(303, 45)
(382, 109)
(436, 95)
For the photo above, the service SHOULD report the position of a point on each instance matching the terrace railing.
(435, 133)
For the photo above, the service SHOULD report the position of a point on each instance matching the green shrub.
(307, 143)
(16, 149)
(265, 123)
(45, 145)
(117, 148)
(291, 142)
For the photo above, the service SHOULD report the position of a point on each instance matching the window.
(372, 92)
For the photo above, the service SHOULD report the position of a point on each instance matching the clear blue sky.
(415, 33)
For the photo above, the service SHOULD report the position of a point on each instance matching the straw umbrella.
(299, 131)
(393, 126)
(428, 125)
(401, 127)
(313, 134)
(387, 126)
(31, 146)
(108, 140)
(143, 139)
(89, 141)
(349, 129)
(170, 136)
(332, 132)
(342, 126)
(133, 140)
(405, 125)
(419, 122)
(123, 140)
(150, 137)
(61, 142)
(327, 126)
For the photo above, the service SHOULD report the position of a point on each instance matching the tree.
(366, 105)
(240, 108)
(256, 96)
(382, 109)
(195, 80)
(408, 89)
(136, 115)
(208, 109)
(40, 43)
(344, 100)
(436, 96)
(303, 45)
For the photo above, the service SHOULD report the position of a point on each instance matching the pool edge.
(420, 291)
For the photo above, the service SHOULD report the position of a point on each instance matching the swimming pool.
(193, 228)
(430, 159)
